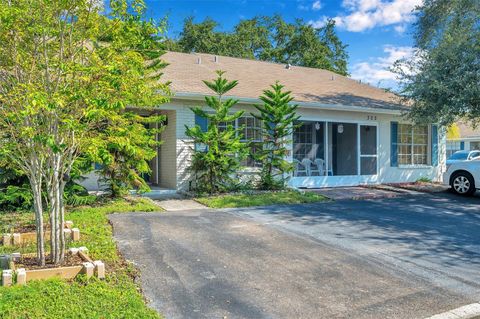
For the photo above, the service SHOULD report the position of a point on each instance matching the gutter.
(309, 105)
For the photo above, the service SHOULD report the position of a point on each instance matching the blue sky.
(377, 31)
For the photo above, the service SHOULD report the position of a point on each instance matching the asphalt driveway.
(406, 257)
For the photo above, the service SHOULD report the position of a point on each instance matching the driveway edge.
(464, 312)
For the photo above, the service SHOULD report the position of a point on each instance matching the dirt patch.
(30, 262)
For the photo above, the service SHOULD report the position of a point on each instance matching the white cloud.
(400, 29)
(366, 14)
(308, 5)
(376, 70)
(317, 5)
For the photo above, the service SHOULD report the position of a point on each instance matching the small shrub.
(424, 179)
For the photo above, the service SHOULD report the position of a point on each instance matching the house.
(353, 131)
(467, 139)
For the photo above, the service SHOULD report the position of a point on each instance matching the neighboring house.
(354, 131)
(468, 140)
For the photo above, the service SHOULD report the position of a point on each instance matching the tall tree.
(442, 81)
(218, 150)
(267, 39)
(65, 68)
(278, 118)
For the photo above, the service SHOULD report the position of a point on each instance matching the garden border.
(21, 276)
(17, 239)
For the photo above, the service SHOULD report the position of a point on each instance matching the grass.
(115, 297)
(261, 199)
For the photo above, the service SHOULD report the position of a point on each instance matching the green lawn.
(116, 297)
(262, 199)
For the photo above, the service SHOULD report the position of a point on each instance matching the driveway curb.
(464, 312)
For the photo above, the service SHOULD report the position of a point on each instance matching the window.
(452, 147)
(252, 132)
(474, 146)
(474, 155)
(412, 144)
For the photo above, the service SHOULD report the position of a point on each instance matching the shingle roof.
(306, 84)
(467, 131)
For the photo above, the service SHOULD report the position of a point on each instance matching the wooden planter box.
(17, 239)
(21, 276)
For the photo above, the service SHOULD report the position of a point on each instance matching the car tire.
(462, 183)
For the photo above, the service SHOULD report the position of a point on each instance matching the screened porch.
(323, 149)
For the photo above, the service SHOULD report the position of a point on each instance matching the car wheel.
(463, 183)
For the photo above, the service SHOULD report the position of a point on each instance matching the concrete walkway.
(174, 205)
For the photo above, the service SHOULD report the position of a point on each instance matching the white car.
(463, 156)
(463, 177)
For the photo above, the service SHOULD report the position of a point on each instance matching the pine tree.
(278, 118)
(218, 151)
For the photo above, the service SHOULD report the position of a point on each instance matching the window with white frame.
(413, 144)
(251, 132)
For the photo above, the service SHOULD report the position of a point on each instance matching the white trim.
(331, 181)
(414, 166)
(461, 139)
(312, 105)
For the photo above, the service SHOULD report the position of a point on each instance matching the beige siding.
(184, 146)
(168, 176)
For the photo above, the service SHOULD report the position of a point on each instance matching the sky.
(377, 32)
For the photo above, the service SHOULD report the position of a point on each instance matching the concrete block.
(83, 249)
(7, 239)
(75, 234)
(99, 269)
(68, 224)
(7, 278)
(17, 239)
(68, 233)
(73, 251)
(88, 269)
(21, 276)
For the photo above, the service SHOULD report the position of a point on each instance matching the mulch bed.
(421, 187)
(30, 262)
(24, 229)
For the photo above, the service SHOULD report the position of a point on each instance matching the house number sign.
(371, 117)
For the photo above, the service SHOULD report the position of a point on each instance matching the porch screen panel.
(343, 149)
(368, 150)
(303, 141)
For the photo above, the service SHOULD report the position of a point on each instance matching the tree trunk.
(36, 186)
(51, 200)
(61, 213)
(55, 193)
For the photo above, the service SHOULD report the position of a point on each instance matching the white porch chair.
(307, 163)
(299, 168)
(319, 167)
